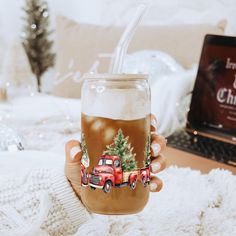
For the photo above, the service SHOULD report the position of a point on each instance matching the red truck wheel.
(133, 184)
(107, 186)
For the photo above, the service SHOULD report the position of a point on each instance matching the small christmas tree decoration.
(120, 147)
(35, 38)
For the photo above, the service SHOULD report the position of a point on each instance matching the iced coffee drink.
(115, 142)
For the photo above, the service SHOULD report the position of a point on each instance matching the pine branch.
(122, 148)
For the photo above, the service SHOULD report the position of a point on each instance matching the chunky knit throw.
(39, 203)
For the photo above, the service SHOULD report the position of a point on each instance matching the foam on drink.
(120, 104)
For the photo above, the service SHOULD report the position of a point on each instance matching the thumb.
(72, 164)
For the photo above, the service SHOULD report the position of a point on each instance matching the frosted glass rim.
(107, 76)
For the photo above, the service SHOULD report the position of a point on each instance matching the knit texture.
(39, 203)
(190, 204)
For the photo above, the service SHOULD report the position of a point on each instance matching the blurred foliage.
(36, 38)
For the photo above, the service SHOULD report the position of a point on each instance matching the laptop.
(210, 131)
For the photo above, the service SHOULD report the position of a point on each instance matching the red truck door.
(117, 171)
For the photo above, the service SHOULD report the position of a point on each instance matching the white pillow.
(154, 63)
(170, 100)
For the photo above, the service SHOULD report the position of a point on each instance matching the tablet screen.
(213, 104)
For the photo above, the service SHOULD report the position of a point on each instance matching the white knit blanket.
(189, 204)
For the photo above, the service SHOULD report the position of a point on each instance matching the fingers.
(72, 165)
(158, 161)
(155, 184)
(73, 151)
(153, 123)
(158, 164)
(158, 141)
(158, 144)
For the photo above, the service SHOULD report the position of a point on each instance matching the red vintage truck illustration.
(108, 173)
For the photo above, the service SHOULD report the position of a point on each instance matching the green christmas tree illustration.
(122, 148)
(147, 152)
(84, 149)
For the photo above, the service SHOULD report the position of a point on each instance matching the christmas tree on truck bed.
(35, 38)
(120, 147)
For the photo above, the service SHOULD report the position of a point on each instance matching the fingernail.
(153, 186)
(156, 148)
(154, 123)
(156, 166)
(74, 151)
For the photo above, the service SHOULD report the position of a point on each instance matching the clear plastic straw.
(121, 49)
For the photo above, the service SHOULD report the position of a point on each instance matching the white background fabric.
(110, 12)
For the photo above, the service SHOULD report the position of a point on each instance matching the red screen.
(214, 98)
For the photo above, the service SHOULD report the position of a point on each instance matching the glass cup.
(115, 140)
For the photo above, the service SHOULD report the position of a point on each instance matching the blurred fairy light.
(33, 26)
(45, 14)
